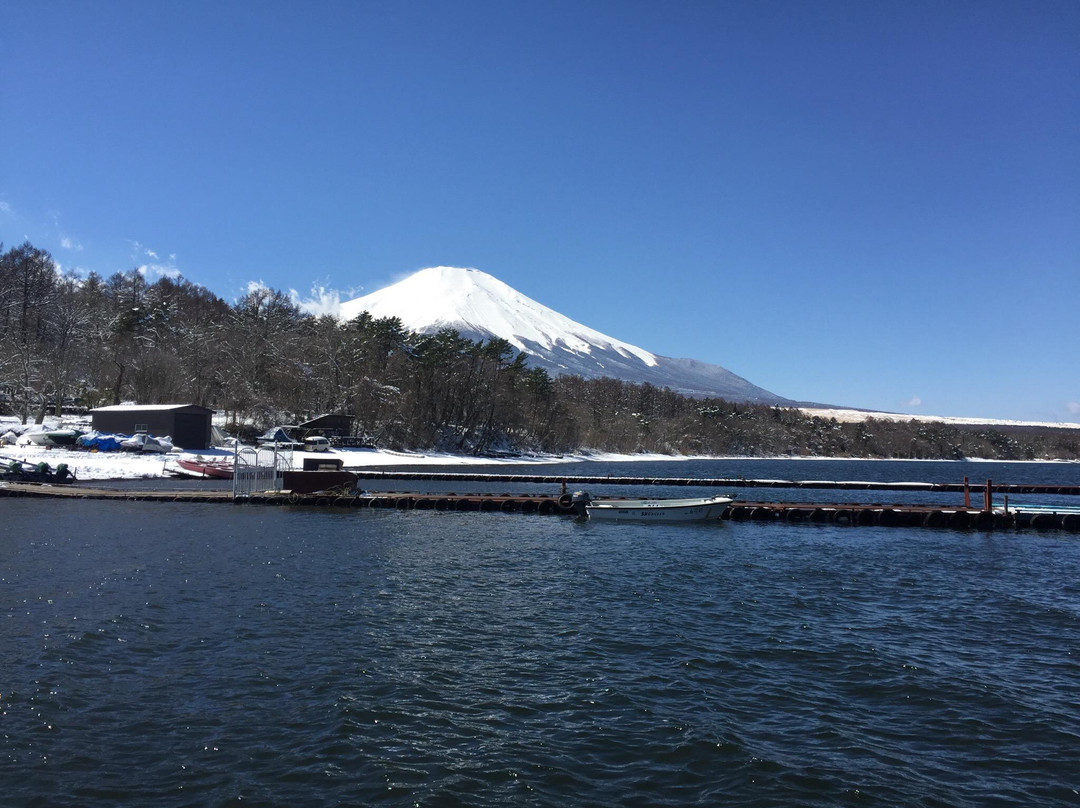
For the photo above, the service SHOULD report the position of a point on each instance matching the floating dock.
(853, 514)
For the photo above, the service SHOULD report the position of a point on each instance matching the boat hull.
(21, 471)
(63, 437)
(657, 510)
(220, 471)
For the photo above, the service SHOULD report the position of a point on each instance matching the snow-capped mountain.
(480, 306)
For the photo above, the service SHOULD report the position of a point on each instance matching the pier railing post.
(967, 493)
(988, 502)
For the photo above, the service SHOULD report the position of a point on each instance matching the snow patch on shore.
(855, 416)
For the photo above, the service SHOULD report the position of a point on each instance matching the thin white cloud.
(5, 207)
(139, 251)
(68, 243)
(914, 401)
(59, 270)
(321, 301)
(156, 268)
(1073, 407)
(153, 272)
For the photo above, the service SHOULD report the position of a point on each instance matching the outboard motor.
(579, 500)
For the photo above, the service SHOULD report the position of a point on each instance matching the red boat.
(219, 469)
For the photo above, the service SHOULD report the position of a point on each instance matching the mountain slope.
(480, 306)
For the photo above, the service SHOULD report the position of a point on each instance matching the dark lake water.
(203, 655)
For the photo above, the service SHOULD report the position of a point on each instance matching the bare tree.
(28, 290)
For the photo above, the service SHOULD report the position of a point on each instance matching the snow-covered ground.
(88, 465)
(125, 465)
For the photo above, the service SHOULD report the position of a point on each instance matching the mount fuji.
(480, 306)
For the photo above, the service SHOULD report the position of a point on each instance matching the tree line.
(263, 361)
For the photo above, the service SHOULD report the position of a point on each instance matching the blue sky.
(868, 204)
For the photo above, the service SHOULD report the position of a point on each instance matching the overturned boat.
(218, 469)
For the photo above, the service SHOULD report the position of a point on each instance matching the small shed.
(187, 424)
(329, 426)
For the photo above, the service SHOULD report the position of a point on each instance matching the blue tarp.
(276, 434)
(102, 441)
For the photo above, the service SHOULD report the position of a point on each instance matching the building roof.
(327, 418)
(148, 407)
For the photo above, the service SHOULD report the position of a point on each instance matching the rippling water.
(170, 654)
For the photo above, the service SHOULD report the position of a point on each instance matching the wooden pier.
(899, 515)
(720, 482)
(852, 514)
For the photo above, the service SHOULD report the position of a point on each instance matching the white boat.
(656, 510)
(37, 435)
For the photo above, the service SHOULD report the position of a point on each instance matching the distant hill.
(480, 306)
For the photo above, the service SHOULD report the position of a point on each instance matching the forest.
(262, 361)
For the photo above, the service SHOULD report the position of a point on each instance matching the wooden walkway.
(93, 492)
(853, 514)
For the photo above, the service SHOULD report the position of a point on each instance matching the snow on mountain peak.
(474, 302)
(478, 306)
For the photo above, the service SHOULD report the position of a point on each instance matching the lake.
(199, 654)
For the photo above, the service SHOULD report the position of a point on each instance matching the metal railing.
(259, 469)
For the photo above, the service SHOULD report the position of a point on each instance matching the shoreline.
(105, 466)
